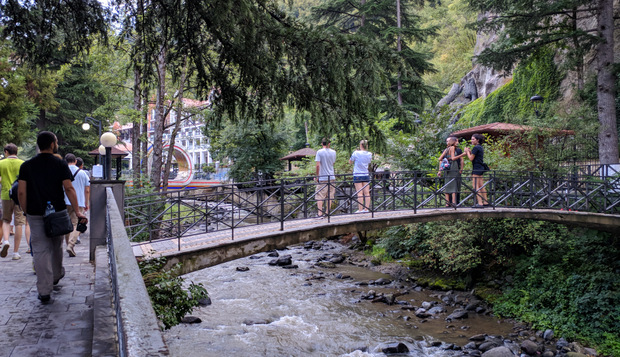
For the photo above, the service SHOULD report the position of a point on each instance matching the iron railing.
(183, 213)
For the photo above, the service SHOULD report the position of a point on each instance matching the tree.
(524, 26)
(252, 146)
(394, 24)
(259, 59)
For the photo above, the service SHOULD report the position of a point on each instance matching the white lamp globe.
(108, 139)
(101, 150)
(85, 126)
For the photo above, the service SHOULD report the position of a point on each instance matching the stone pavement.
(63, 328)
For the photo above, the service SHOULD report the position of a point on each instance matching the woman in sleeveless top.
(453, 174)
(361, 177)
(476, 155)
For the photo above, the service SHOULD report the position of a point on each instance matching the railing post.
(371, 193)
(305, 199)
(531, 189)
(232, 215)
(415, 192)
(281, 204)
(179, 220)
(328, 204)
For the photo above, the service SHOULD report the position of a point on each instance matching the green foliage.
(572, 286)
(511, 103)
(453, 47)
(252, 147)
(170, 300)
(462, 246)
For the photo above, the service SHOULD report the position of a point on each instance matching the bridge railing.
(183, 213)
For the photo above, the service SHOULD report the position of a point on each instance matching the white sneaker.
(16, 256)
(5, 249)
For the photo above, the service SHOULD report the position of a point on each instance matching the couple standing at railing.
(451, 163)
(325, 159)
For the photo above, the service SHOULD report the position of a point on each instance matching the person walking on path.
(81, 183)
(361, 159)
(41, 180)
(476, 155)
(325, 159)
(453, 174)
(9, 169)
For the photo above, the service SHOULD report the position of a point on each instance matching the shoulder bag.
(57, 224)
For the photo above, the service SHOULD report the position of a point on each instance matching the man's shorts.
(8, 208)
(321, 191)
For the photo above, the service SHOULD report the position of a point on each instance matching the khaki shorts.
(321, 191)
(8, 208)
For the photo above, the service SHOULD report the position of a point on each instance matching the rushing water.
(313, 311)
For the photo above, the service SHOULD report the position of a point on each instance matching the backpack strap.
(75, 174)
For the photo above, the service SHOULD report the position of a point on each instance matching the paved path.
(64, 328)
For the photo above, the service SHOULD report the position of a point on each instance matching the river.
(317, 311)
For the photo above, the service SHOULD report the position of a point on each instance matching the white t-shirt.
(361, 159)
(80, 181)
(327, 158)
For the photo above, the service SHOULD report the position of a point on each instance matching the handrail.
(176, 214)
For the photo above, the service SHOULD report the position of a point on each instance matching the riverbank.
(295, 301)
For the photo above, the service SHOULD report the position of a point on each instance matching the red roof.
(299, 154)
(499, 129)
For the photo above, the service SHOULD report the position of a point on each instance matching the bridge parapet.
(180, 214)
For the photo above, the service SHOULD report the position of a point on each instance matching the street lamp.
(108, 140)
(537, 100)
(86, 126)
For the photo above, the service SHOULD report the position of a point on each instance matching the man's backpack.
(13, 191)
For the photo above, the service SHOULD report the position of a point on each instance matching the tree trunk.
(608, 131)
(135, 135)
(160, 119)
(398, 44)
(177, 125)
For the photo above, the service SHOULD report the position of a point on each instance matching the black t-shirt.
(44, 175)
(458, 152)
(478, 151)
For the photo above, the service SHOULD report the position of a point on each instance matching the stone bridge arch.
(257, 239)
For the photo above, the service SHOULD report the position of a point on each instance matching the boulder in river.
(283, 260)
(498, 352)
(191, 320)
(422, 313)
(529, 347)
(394, 347)
(242, 269)
(457, 314)
(548, 335)
(436, 310)
(204, 301)
(328, 265)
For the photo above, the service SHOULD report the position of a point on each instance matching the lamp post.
(536, 100)
(108, 140)
(86, 127)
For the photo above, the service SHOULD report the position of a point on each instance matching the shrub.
(165, 287)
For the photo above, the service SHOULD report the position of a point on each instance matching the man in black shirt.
(42, 180)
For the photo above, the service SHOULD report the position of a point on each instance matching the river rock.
(422, 313)
(436, 310)
(470, 346)
(529, 347)
(394, 347)
(548, 353)
(242, 269)
(329, 265)
(575, 354)
(561, 344)
(283, 260)
(548, 335)
(382, 281)
(485, 346)
(427, 305)
(457, 314)
(498, 352)
(478, 338)
(337, 258)
(191, 320)
(591, 352)
(472, 305)
(308, 244)
(480, 310)
(204, 301)
(273, 254)
(290, 266)
(250, 322)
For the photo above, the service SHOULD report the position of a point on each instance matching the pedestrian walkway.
(63, 328)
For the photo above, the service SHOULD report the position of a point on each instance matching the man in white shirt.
(81, 183)
(325, 189)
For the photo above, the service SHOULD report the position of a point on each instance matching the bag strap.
(75, 174)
